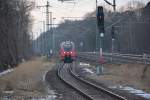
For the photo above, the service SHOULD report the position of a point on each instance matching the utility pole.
(43, 25)
(97, 37)
(47, 15)
(47, 6)
(40, 43)
(44, 38)
(113, 29)
(114, 5)
(113, 40)
(53, 23)
(51, 32)
(48, 22)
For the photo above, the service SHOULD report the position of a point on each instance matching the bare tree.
(14, 31)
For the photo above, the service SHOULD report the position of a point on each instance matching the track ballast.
(89, 90)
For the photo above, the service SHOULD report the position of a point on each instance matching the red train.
(67, 52)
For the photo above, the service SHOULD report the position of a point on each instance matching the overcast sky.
(77, 9)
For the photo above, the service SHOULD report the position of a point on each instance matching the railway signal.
(100, 27)
(100, 19)
(100, 35)
(113, 39)
(113, 32)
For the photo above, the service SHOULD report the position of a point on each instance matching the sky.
(76, 8)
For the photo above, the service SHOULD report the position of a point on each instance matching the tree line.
(15, 41)
(131, 30)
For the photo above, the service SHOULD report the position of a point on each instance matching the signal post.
(101, 31)
(100, 34)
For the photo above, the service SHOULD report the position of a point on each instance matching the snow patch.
(84, 64)
(132, 90)
(52, 94)
(44, 76)
(52, 97)
(8, 92)
(6, 72)
(145, 95)
(88, 70)
(49, 97)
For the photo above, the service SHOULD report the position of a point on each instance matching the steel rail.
(62, 79)
(116, 57)
(118, 97)
(87, 83)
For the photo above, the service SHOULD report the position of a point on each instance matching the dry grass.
(134, 75)
(27, 78)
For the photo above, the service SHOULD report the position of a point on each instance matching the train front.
(67, 52)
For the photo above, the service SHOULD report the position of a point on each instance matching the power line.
(48, 23)
(112, 4)
(47, 6)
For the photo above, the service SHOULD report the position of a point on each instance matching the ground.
(136, 75)
(123, 75)
(27, 79)
(65, 91)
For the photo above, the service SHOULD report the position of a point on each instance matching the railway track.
(89, 90)
(115, 57)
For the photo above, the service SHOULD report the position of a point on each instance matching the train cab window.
(67, 47)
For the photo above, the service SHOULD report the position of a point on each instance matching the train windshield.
(68, 47)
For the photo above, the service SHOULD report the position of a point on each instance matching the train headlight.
(71, 52)
(64, 52)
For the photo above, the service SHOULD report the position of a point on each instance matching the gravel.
(65, 92)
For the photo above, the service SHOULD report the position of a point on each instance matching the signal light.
(100, 19)
(113, 32)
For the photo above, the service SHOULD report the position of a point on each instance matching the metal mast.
(49, 44)
(47, 16)
(97, 35)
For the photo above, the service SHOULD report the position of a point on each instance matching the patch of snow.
(88, 70)
(49, 97)
(8, 92)
(5, 72)
(132, 90)
(137, 91)
(112, 87)
(44, 76)
(145, 95)
(5, 98)
(52, 94)
(23, 60)
(127, 88)
(84, 64)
